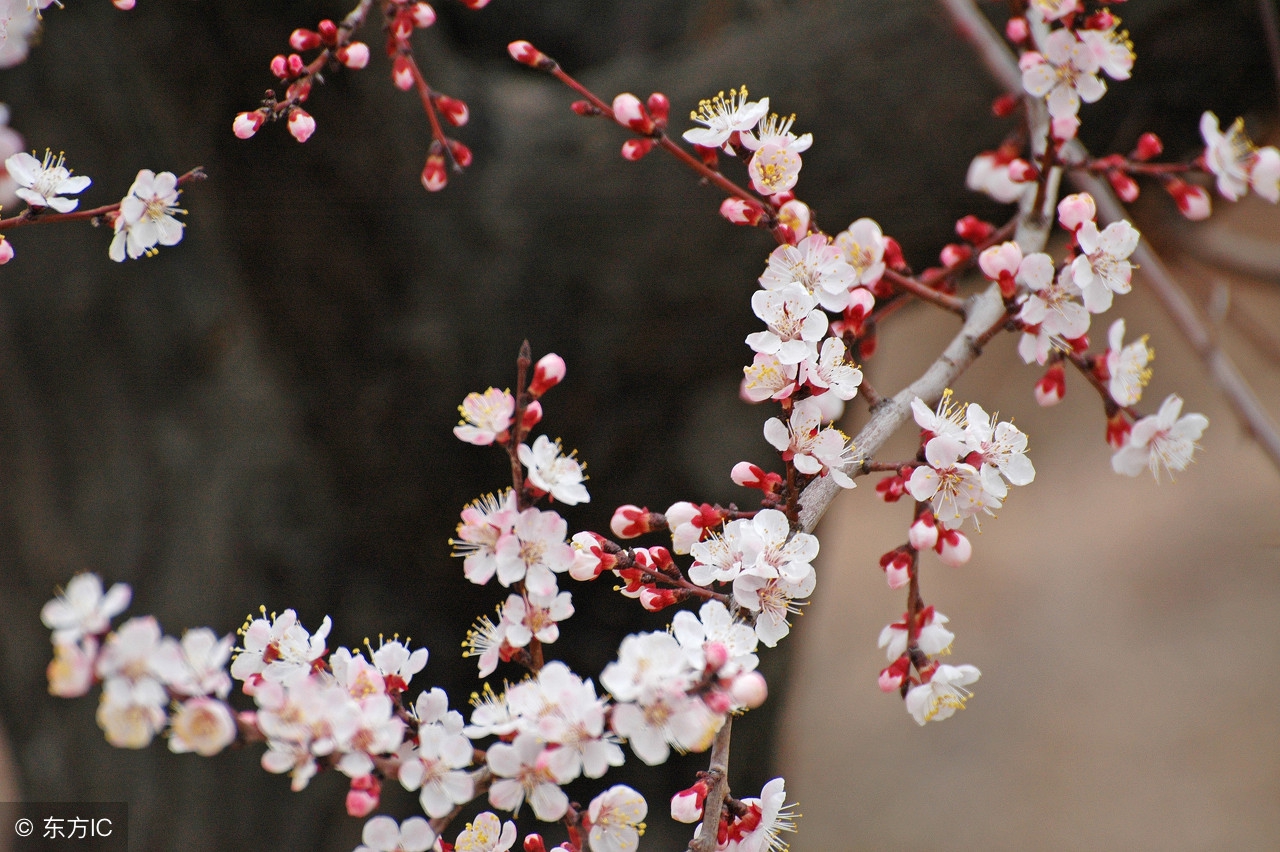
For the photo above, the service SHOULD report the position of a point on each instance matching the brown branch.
(718, 774)
(28, 217)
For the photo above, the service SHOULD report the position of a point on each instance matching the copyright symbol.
(23, 827)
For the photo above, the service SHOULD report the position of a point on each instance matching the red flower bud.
(454, 111)
(328, 31)
(1148, 147)
(659, 108)
(634, 149)
(304, 40)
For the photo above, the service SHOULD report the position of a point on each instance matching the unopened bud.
(363, 796)
(1193, 201)
(547, 373)
(749, 690)
(1118, 429)
(923, 533)
(1020, 171)
(954, 254)
(897, 568)
(718, 702)
(739, 211)
(294, 65)
(532, 415)
(534, 843)
(475, 4)
(686, 806)
(893, 255)
(280, 67)
(629, 112)
(1016, 30)
(247, 123)
(328, 31)
(6, 251)
(301, 124)
(973, 230)
(634, 149)
(402, 26)
(584, 108)
(402, 72)
(1125, 186)
(355, 55)
(301, 39)
(953, 548)
(1075, 210)
(454, 111)
(654, 599)
(1149, 146)
(659, 108)
(710, 156)
(434, 176)
(423, 15)
(891, 677)
(629, 521)
(461, 153)
(124, 5)
(716, 655)
(1052, 386)
(749, 475)
(1003, 106)
(526, 54)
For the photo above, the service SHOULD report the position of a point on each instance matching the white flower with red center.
(1127, 366)
(815, 264)
(863, 245)
(616, 819)
(486, 417)
(486, 834)
(774, 169)
(1103, 267)
(933, 639)
(146, 216)
(943, 694)
(1237, 163)
(131, 713)
(776, 130)
(768, 378)
(83, 610)
(810, 447)
(773, 599)
(533, 550)
(796, 324)
(435, 766)
(397, 664)
(485, 521)
(202, 725)
(1064, 74)
(553, 472)
(535, 615)
(714, 625)
(757, 829)
(280, 650)
(1003, 447)
(721, 557)
(1112, 49)
(954, 488)
(1050, 310)
(522, 774)
(1163, 441)
(197, 666)
(376, 731)
(43, 183)
(382, 834)
(833, 372)
(724, 117)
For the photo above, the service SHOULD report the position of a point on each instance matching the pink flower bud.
(328, 31)
(475, 4)
(1052, 386)
(954, 254)
(423, 15)
(654, 599)
(749, 690)
(402, 25)
(247, 124)
(1016, 30)
(973, 230)
(629, 112)
(302, 39)
(717, 701)
(686, 806)
(547, 373)
(298, 90)
(363, 796)
(294, 65)
(891, 488)
(1149, 146)
(280, 67)
(897, 568)
(534, 843)
(1020, 171)
(589, 558)
(402, 72)
(659, 108)
(892, 676)
(532, 415)
(749, 475)
(1118, 429)
(355, 55)
(629, 521)
(953, 548)
(301, 124)
(1075, 210)
(461, 153)
(1000, 261)
(434, 176)
(124, 5)
(526, 54)
(716, 655)
(1065, 127)
(634, 149)
(1125, 186)
(923, 533)
(739, 211)
(454, 111)
(1193, 201)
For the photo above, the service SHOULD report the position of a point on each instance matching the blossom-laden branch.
(142, 220)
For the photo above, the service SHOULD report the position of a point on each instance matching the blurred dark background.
(262, 414)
